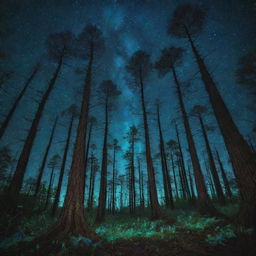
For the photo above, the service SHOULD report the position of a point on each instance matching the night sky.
(127, 26)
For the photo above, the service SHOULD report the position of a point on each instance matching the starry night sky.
(127, 26)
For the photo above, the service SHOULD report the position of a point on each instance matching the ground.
(185, 233)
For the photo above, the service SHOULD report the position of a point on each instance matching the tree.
(181, 165)
(165, 172)
(71, 218)
(168, 62)
(110, 92)
(198, 111)
(42, 167)
(224, 176)
(141, 184)
(53, 164)
(72, 112)
(139, 67)
(173, 146)
(132, 137)
(94, 169)
(6, 160)
(9, 116)
(92, 122)
(187, 21)
(116, 148)
(58, 46)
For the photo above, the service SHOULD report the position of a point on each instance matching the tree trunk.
(165, 171)
(174, 177)
(113, 181)
(62, 169)
(17, 101)
(155, 208)
(244, 162)
(103, 179)
(141, 185)
(17, 179)
(204, 203)
(72, 219)
(224, 177)
(182, 166)
(216, 180)
(87, 154)
(49, 189)
(42, 167)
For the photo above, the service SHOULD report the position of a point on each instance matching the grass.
(189, 231)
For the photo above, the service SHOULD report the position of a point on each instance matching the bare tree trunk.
(141, 185)
(42, 167)
(72, 219)
(174, 176)
(49, 189)
(17, 179)
(155, 208)
(191, 184)
(204, 204)
(113, 181)
(216, 180)
(243, 160)
(103, 179)
(224, 177)
(62, 169)
(87, 154)
(210, 181)
(165, 172)
(17, 101)
(182, 166)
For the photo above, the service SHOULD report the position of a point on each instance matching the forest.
(128, 127)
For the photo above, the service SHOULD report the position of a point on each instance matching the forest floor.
(188, 234)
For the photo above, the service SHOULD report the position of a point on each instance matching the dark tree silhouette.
(165, 172)
(139, 67)
(116, 148)
(187, 21)
(72, 219)
(42, 167)
(72, 111)
(8, 118)
(131, 136)
(94, 169)
(224, 176)
(58, 46)
(168, 61)
(199, 111)
(141, 183)
(92, 122)
(181, 165)
(110, 93)
(53, 164)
